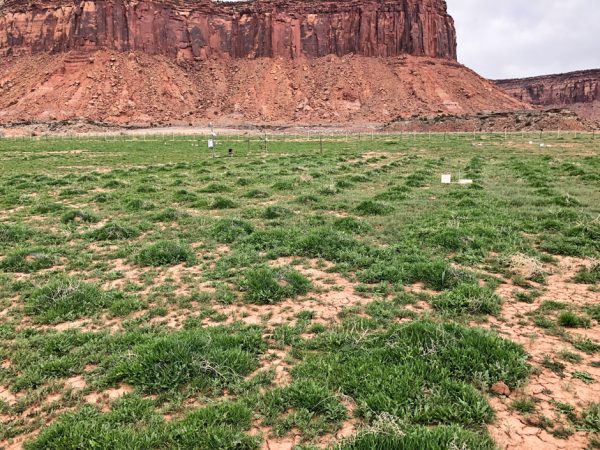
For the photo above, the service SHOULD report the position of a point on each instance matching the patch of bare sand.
(274, 360)
(103, 398)
(76, 383)
(14, 444)
(335, 293)
(177, 275)
(7, 396)
(513, 430)
(288, 442)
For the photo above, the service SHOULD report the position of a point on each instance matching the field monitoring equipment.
(447, 179)
(211, 140)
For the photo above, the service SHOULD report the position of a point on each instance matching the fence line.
(308, 142)
(307, 136)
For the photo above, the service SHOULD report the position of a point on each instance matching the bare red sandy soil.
(548, 389)
(136, 88)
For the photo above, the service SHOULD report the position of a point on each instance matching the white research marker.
(446, 178)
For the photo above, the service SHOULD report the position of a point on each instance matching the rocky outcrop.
(556, 90)
(498, 122)
(199, 30)
(579, 91)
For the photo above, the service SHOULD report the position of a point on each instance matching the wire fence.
(148, 134)
(253, 143)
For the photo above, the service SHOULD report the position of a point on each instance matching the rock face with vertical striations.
(251, 29)
(253, 62)
(579, 91)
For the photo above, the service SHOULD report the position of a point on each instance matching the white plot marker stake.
(447, 179)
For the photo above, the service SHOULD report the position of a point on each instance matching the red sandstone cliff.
(579, 91)
(262, 61)
(201, 29)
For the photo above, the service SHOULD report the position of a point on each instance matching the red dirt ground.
(141, 89)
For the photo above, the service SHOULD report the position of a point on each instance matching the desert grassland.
(154, 297)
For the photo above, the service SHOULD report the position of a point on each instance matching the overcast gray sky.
(519, 38)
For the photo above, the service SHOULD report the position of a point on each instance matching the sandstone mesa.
(262, 28)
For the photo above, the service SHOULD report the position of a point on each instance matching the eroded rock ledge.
(203, 29)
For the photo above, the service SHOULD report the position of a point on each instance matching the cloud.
(518, 38)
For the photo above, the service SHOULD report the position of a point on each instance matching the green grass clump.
(78, 216)
(304, 404)
(113, 231)
(468, 299)
(555, 366)
(13, 234)
(350, 225)
(419, 438)
(183, 196)
(571, 357)
(214, 188)
(45, 207)
(132, 424)
(220, 202)
(579, 240)
(587, 346)
(102, 197)
(373, 208)
(263, 285)
(308, 199)
(437, 275)
(283, 185)
(569, 319)
(524, 405)
(113, 184)
(256, 193)
(229, 230)
(167, 215)
(584, 376)
(27, 260)
(165, 253)
(551, 306)
(423, 372)
(276, 212)
(591, 417)
(137, 204)
(594, 311)
(589, 276)
(64, 299)
(202, 359)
